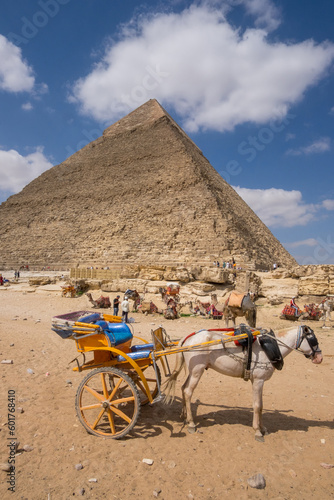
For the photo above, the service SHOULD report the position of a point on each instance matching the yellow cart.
(123, 375)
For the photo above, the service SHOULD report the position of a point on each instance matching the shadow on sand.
(154, 418)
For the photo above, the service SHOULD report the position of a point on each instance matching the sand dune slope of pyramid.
(141, 193)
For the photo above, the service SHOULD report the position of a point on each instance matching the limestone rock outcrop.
(316, 285)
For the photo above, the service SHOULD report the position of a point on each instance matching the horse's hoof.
(260, 439)
(192, 430)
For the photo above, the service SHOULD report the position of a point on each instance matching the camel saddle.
(235, 299)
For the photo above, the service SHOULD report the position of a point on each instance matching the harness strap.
(299, 338)
(249, 352)
(210, 330)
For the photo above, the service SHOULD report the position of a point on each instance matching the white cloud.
(27, 106)
(15, 73)
(214, 75)
(310, 242)
(328, 204)
(16, 170)
(265, 12)
(320, 146)
(277, 207)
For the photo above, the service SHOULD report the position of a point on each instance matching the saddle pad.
(235, 299)
(289, 311)
(244, 341)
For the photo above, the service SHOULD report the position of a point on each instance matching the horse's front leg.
(187, 391)
(260, 431)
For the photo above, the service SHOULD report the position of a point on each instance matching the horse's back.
(200, 337)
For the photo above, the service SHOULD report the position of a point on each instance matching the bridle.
(306, 333)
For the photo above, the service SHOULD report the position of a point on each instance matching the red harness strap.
(211, 330)
(188, 336)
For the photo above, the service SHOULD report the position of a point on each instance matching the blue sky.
(250, 81)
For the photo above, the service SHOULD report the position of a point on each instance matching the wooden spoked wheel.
(151, 379)
(107, 403)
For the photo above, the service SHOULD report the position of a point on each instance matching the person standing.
(116, 305)
(125, 309)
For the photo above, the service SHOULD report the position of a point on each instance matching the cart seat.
(135, 355)
(117, 333)
(141, 351)
(142, 347)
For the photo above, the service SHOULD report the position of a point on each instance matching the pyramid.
(143, 193)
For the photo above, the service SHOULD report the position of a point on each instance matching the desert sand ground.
(213, 463)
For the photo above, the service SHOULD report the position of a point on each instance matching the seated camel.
(102, 302)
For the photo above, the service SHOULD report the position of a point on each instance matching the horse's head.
(309, 345)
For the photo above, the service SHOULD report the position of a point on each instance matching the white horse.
(231, 360)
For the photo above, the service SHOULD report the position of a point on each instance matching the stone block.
(210, 274)
(313, 285)
(121, 285)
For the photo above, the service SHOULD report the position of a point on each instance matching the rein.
(303, 333)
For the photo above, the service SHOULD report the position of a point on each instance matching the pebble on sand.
(258, 481)
(148, 461)
(27, 448)
(327, 466)
(5, 467)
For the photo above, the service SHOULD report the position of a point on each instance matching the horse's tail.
(170, 385)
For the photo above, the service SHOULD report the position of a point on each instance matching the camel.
(68, 291)
(148, 307)
(239, 305)
(102, 302)
(203, 307)
(172, 290)
(134, 295)
(171, 312)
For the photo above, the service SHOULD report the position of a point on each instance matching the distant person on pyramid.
(1, 279)
(125, 306)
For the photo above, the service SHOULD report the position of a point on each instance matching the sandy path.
(214, 463)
